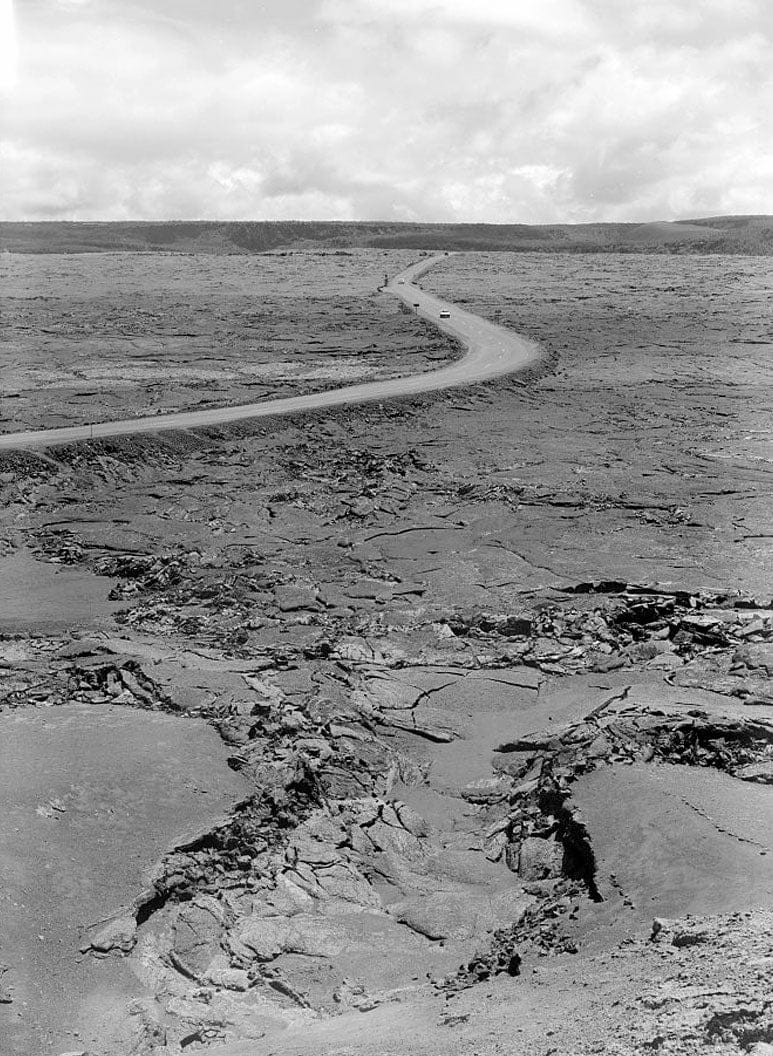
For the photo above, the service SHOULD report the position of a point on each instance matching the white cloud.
(546, 18)
(429, 109)
(8, 47)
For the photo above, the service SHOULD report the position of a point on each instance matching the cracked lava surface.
(482, 680)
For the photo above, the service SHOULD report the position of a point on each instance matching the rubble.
(414, 645)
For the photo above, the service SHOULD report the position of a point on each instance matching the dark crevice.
(150, 905)
(196, 1038)
(579, 861)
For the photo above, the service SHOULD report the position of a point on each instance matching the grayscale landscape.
(386, 508)
(438, 723)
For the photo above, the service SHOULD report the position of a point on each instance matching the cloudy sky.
(482, 110)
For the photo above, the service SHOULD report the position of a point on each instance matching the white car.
(445, 315)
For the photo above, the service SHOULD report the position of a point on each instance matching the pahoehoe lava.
(492, 352)
(439, 724)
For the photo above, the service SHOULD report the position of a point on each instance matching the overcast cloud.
(483, 110)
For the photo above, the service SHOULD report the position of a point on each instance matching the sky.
(502, 111)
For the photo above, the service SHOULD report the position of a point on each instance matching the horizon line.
(398, 223)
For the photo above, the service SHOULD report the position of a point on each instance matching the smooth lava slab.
(672, 840)
(92, 797)
(33, 593)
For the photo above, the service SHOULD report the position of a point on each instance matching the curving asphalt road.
(491, 352)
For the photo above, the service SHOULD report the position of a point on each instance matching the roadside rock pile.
(621, 626)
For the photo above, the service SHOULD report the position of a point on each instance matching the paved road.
(491, 352)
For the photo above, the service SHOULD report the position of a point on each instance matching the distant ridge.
(722, 234)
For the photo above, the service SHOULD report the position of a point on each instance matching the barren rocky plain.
(442, 726)
(91, 337)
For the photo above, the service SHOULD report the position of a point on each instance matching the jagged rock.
(310, 934)
(641, 651)
(700, 621)
(357, 651)
(600, 747)
(496, 846)
(759, 700)
(136, 688)
(661, 927)
(486, 790)
(267, 690)
(393, 838)
(762, 772)
(350, 995)
(512, 851)
(460, 915)
(306, 849)
(509, 906)
(540, 859)
(229, 978)
(516, 764)
(603, 664)
(6, 991)
(265, 937)
(315, 746)
(515, 626)
(314, 936)
(411, 820)
(336, 730)
(392, 867)
(664, 661)
(303, 876)
(389, 816)
(120, 935)
(286, 899)
(359, 841)
(423, 729)
(685, 937)
(368, 590)
(525, 788)
(321, 827)
(291, 598)
(344, 882)
(198, 931)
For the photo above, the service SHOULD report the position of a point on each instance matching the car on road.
(416, 304)
(445, 315)
(401, 282)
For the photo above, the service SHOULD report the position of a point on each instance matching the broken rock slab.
(261, 938)
(311, 934)
(119, 935)
(462, 914)
(227, 978)
(285, 900)
(293, 598)
(440, 915)
(198, 932)
(761, 772)
(540, 859)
